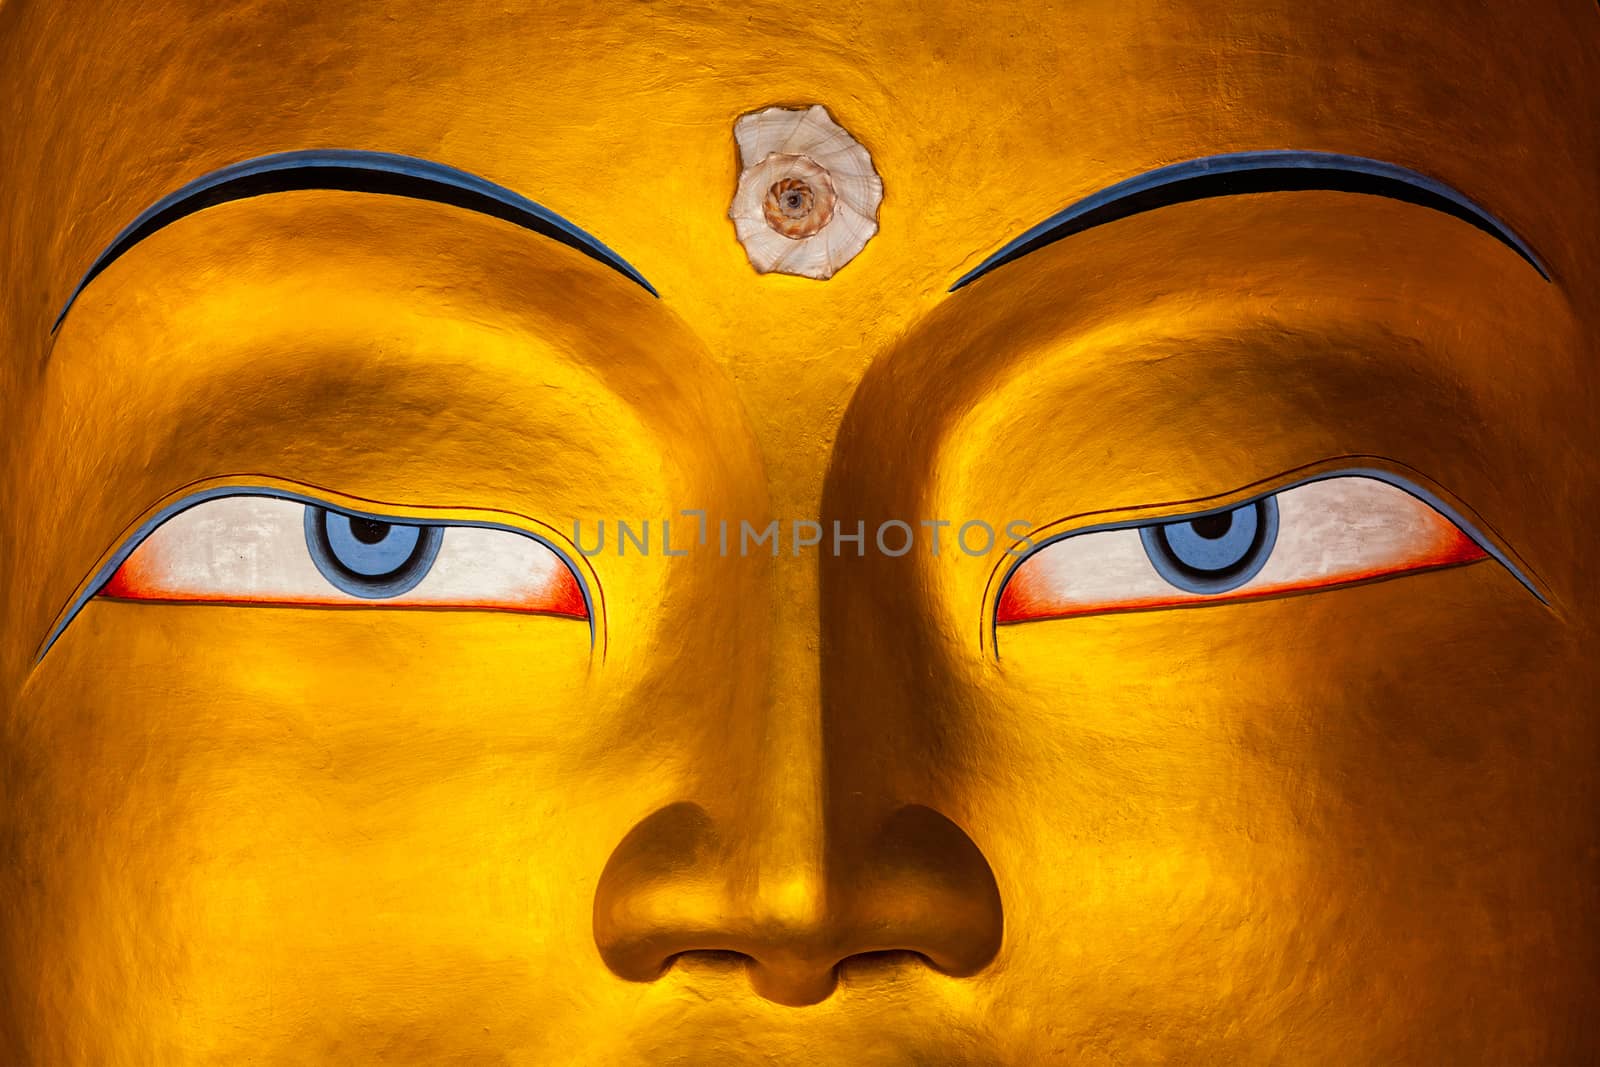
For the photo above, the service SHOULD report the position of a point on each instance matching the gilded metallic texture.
(796, 808)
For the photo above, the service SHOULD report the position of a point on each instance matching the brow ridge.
(351, 170)
(1238, 173)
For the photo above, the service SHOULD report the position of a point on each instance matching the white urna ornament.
(808, 197)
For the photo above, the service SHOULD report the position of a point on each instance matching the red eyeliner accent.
(132, 581)
(121, 586)
(312, 602)
(1027, 598)
(568, 600)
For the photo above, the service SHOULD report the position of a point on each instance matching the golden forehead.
(982, 118)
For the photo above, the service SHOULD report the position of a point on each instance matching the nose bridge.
(742, 866)
(778, 831)
(795, 850)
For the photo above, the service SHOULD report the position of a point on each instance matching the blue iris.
(370, 558)
(1215, 552)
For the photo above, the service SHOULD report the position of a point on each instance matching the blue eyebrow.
(1236, 173)
(352, 170)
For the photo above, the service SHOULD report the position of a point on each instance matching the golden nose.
(918, 888)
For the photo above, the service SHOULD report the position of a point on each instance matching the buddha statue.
(983, 533)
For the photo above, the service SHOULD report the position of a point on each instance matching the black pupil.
(369, 531)
(1211, 527)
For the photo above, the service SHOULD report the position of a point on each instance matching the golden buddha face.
(1259, 725)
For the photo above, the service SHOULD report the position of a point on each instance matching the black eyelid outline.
(1518, 570)
(131, 542)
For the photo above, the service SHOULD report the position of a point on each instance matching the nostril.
(655, 895)
(877, 970)
(709, 959)
(882, 964)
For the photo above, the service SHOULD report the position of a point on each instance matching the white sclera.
(1337, 528)
(254, 548)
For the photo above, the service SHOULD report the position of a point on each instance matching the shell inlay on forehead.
(808, 195)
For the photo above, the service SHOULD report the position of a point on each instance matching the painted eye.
(369, 558)
(1318, 535)
(256, 549)
(1217, 552)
